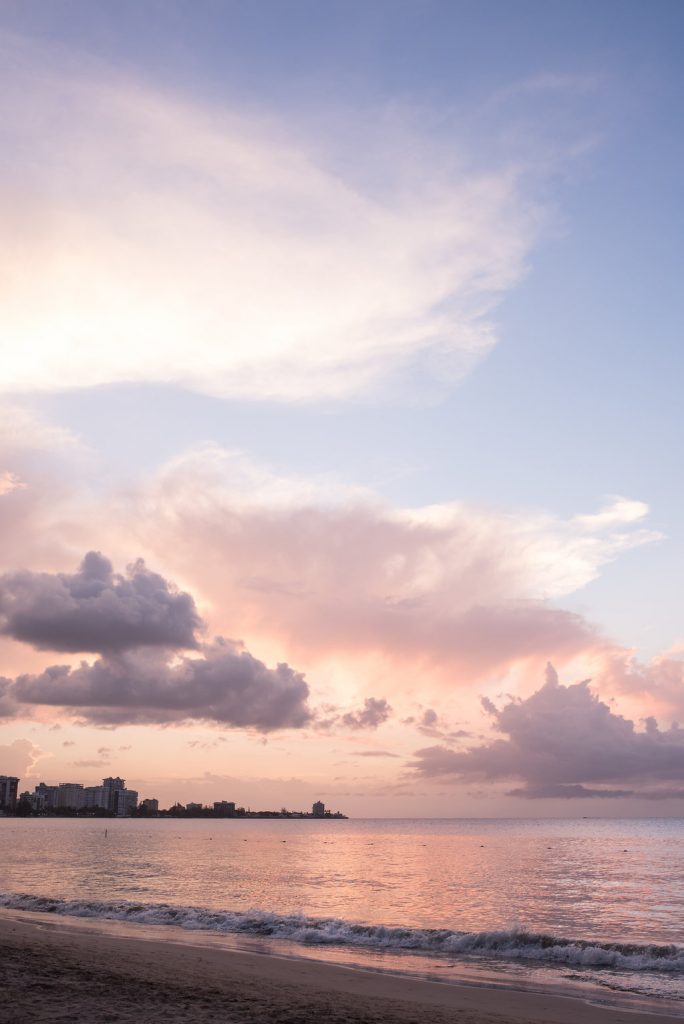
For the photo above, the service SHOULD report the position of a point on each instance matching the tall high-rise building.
(113, 786)
(318, 809)
(111, 796)
(71, 795)
(126, 802)
(9, 786)
(97, 796)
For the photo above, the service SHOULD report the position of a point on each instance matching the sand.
(59, 971)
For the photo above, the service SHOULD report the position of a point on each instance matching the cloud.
(660, 682)
(374, 712)
(8, 705)
(376, 753)
(92, 763)
(23, 431)
(10, 482)
(42, 469)
(561, 742)
(430, 725)
(224, 685)
(329, 572)
(96, 609)
(569, 792)
(20, 757)
(318, 574)
(579, 792)
(140, 220)
(315, 574)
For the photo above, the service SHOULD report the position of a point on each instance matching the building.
(97, 796)
(70, 795)
(9, 786)
(318, 809)
(225, 808)
(193, 808)
(113, 787)
(149, 807)
(125, 802)
(111, 796)
(44, 798)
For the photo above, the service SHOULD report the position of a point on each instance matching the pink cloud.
(659, 683)
(363, 597)
(453, 591)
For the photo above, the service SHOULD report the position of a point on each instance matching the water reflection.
(620, 880)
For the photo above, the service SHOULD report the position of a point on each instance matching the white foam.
(512, 944)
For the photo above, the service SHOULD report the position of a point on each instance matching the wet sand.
(65, 972)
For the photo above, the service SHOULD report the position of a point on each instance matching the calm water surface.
(454, 896)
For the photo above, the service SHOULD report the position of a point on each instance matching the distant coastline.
(114, 800)
(206, 813)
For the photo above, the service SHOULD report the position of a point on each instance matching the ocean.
(586, 907)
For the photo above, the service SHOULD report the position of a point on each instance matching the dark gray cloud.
(96, 609)
(565, 742)
(225, 685)
(8, 704)
(374, 712)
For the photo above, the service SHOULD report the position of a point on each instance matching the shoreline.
(85, 972)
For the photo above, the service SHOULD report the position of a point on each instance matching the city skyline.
(340, 416)
(115, 799)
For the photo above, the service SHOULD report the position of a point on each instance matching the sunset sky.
(341, 422)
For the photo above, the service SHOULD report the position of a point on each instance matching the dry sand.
(61, 971)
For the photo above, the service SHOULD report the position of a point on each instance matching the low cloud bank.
(564, 742)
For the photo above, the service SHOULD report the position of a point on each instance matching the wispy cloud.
(9, 482)
(151, 238)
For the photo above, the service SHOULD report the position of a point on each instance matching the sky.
(340, 403)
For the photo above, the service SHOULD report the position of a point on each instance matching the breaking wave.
(514, 943)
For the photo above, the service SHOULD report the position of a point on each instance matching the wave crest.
(514, 943)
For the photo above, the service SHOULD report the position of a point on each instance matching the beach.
(87, 973)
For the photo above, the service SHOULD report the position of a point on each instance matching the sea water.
(591, 907)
